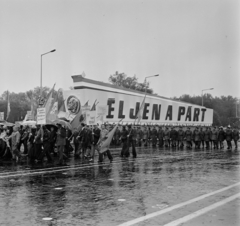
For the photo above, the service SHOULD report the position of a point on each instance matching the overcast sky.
(191, 44)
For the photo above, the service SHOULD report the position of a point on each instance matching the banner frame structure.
(125, 103)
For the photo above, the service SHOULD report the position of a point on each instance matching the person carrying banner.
(130, 143)
(96, 132)
(101, 143)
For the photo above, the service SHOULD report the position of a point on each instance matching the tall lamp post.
(41, 69)
(205, 90)
(145, 81)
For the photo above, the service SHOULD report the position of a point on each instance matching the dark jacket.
(61, 137)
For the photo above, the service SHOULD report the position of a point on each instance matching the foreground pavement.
(159, 187)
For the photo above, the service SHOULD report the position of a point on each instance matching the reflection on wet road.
(111, 194)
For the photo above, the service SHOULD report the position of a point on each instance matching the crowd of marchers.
(37, 143)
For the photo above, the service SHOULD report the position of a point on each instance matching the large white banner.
(156, 110)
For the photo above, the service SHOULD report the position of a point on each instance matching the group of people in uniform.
(179, 136)
(57, 140)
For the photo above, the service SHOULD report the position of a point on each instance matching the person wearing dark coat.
(202, 134)
(235, 133)
(131, 143)
(207, 136)
(180, 137)
(24, 139)
(221, 137)
(38, 143)
(188, 137)
(197, 138)
(96, 132)
(229, 137)
(61, 142)
(124, 139)
(154, 136)
(46, 145)
(173, 137)
(160, 137)
(52, 139)
(31, 144)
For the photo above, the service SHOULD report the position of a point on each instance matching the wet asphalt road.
(126, 189)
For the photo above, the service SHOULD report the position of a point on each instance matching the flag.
(94, 106)
(8, 106)
(76, 121)
(140, 111)
(52, 114)
(49, 100)
(104, 145)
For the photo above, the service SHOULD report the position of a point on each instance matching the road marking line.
(151, 215)
(202, 211)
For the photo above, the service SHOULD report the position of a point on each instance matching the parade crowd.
(38, 142)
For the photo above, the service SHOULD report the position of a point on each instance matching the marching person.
(123, 138)
(96, 132)
(166, 139)
(197, 138)
(38, 143)
(24, 139)
(180, 137)
(145, 136)
(188, 137)
(46, 145)
(160, 136)
(130, 143)
(202, 134)
(15, 140)
(61, 142)
(235, 134)
(31, 144)
(154, 136)
(52, 139)
(139, 136)
(229, 137)
(221, 137)
(214, 138)
(103, 135)
(207, 136)
(173, 137)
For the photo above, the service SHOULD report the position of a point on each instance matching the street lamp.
(205, 90)
(145, 81)
(41, 69)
